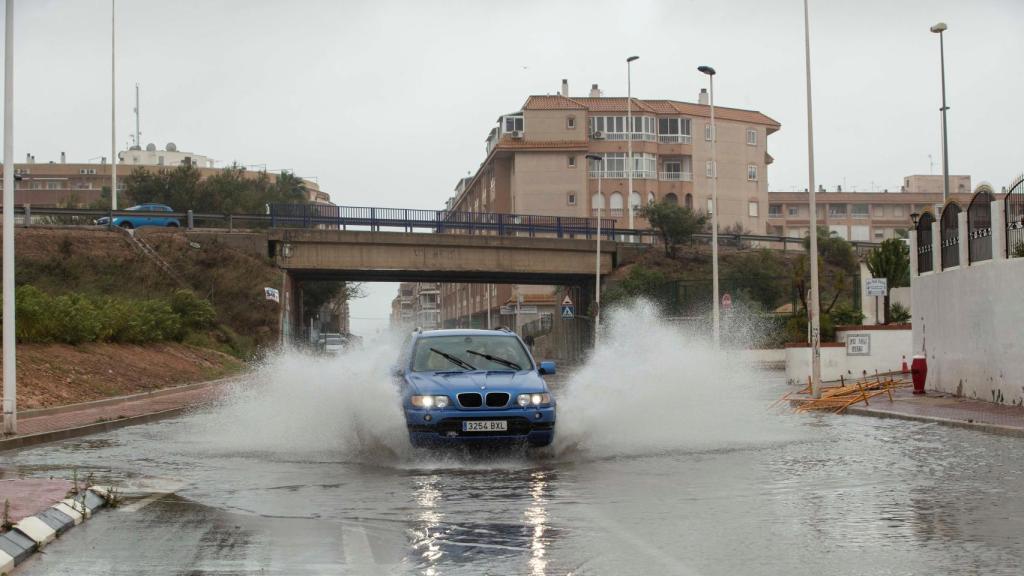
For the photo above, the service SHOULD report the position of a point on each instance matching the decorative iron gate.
(924, 243)
(1015, 219)
(949, 235)
(979, 227)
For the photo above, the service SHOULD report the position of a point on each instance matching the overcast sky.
(388, 103)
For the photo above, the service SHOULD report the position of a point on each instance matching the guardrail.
(326, 216)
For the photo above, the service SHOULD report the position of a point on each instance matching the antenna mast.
(137, 133)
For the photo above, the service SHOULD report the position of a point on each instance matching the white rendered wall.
(970, 322)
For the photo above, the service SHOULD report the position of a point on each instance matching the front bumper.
(444, 427)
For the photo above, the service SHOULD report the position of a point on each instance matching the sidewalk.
(946, 409)
(49, 424)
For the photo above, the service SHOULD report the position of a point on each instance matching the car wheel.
(172, 224)
(126, 225)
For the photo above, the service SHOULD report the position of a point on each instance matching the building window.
(572, 161)
(671, 130)
(711, 206)
(635, 200)
(707, 132)
(689, 201)
(752, 208)
(837, 210)
(570, 123)
(571, 198)
(53, 185)
(751, 137)
(794, 211)
(615, 204)
(650, 198)
(774, 210)
(709, 169)
(752, 172)
(513, 123)
(860, 210)
(672, 199)
(897, 211)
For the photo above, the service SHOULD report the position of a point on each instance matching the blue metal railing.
(438, 221)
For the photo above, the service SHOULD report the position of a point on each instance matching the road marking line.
(356, 544)
(140, 504)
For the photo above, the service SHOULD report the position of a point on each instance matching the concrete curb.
(33, 533)
(981, 426)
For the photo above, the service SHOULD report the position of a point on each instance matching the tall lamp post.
(714, 207)
(10, 403)
(597, 257)
(815, 310)
(939, 29)
(113, 111)
(629, 135)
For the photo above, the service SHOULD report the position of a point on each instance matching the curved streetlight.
(629, 134)
(710, 72)
(939, 29)
(597, 266)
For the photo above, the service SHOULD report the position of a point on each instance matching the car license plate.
(484, 426)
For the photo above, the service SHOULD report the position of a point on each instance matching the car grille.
(497, 399)
(470, 400)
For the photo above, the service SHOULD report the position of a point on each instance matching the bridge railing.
(326, 216)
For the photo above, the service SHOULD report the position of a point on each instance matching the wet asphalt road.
(835, 495)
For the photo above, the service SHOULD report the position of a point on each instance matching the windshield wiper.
(454, 359)
(501, 361)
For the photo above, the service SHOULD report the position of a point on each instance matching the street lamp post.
(629, 135)
(939, 29)
(10, 403)
(113, 110)
(815, 311)
(597, 257)
(714, 208)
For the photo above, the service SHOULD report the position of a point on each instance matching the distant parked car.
(133, 221)
(334, 343)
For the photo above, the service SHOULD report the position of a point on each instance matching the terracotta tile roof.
(556, 102)
(618, 104)
(507, 143)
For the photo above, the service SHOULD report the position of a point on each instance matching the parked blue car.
(145, 218)
(474, 387)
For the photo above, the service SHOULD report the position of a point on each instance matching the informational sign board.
(527, 309)
(272, 294)
(876, 286)
(507, 310)
(726, 301)
(858, 344)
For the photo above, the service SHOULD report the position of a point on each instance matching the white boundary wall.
(969, 320)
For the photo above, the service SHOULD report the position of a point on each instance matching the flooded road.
(667, 461)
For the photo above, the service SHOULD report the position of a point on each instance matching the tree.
(834, 250)
(675, 224)
(890, 260)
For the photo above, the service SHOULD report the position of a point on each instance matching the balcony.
(675, 176)
(675, 139)
(637, 174)
(635, 136)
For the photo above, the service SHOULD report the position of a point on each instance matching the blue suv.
(474, 387)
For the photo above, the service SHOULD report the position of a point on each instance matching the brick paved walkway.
(947, 409)
(32, 495)
(112, 411)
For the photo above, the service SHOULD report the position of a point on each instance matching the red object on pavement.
(905, 368)
(919, 372)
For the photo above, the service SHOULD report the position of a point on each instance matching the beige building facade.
(535, 163)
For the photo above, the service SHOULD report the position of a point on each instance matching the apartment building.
(535, 163)
(417, 304)
(864, 216)
(59, 183)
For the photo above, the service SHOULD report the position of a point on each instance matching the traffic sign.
(566, 301)
(876, 286)
(568, 312)
(726, 301)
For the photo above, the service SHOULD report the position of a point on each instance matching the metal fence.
(979, 227)
(1015, 219)
(924, 243)
(949, 235)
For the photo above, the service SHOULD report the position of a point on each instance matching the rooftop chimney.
(28, 158)
(63, 158)
(595, 92)
(702, 98)
(565, 87)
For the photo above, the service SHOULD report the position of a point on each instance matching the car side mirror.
(546, 367)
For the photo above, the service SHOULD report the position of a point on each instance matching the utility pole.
(629, 136)
(716, 313)
(815, 312)
(113, 109)
(9, 343)
(939, 29)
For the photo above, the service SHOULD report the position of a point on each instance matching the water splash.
(653, 386)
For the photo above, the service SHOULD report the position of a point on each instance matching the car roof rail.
(417, 329)
(504, 329)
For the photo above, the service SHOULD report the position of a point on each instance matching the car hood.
(456, 382)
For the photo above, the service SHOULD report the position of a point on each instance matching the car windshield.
(487, 352)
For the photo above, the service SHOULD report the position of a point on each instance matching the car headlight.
(525, 400)
(429, 401)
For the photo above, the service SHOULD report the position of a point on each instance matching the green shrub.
(796, 327)
(195, 312)
(846, 315)
(898, 313)
(76, 319)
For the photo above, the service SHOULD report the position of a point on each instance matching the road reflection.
(502, 520)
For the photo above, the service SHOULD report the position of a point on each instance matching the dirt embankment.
(99, 262)
(58, 374)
